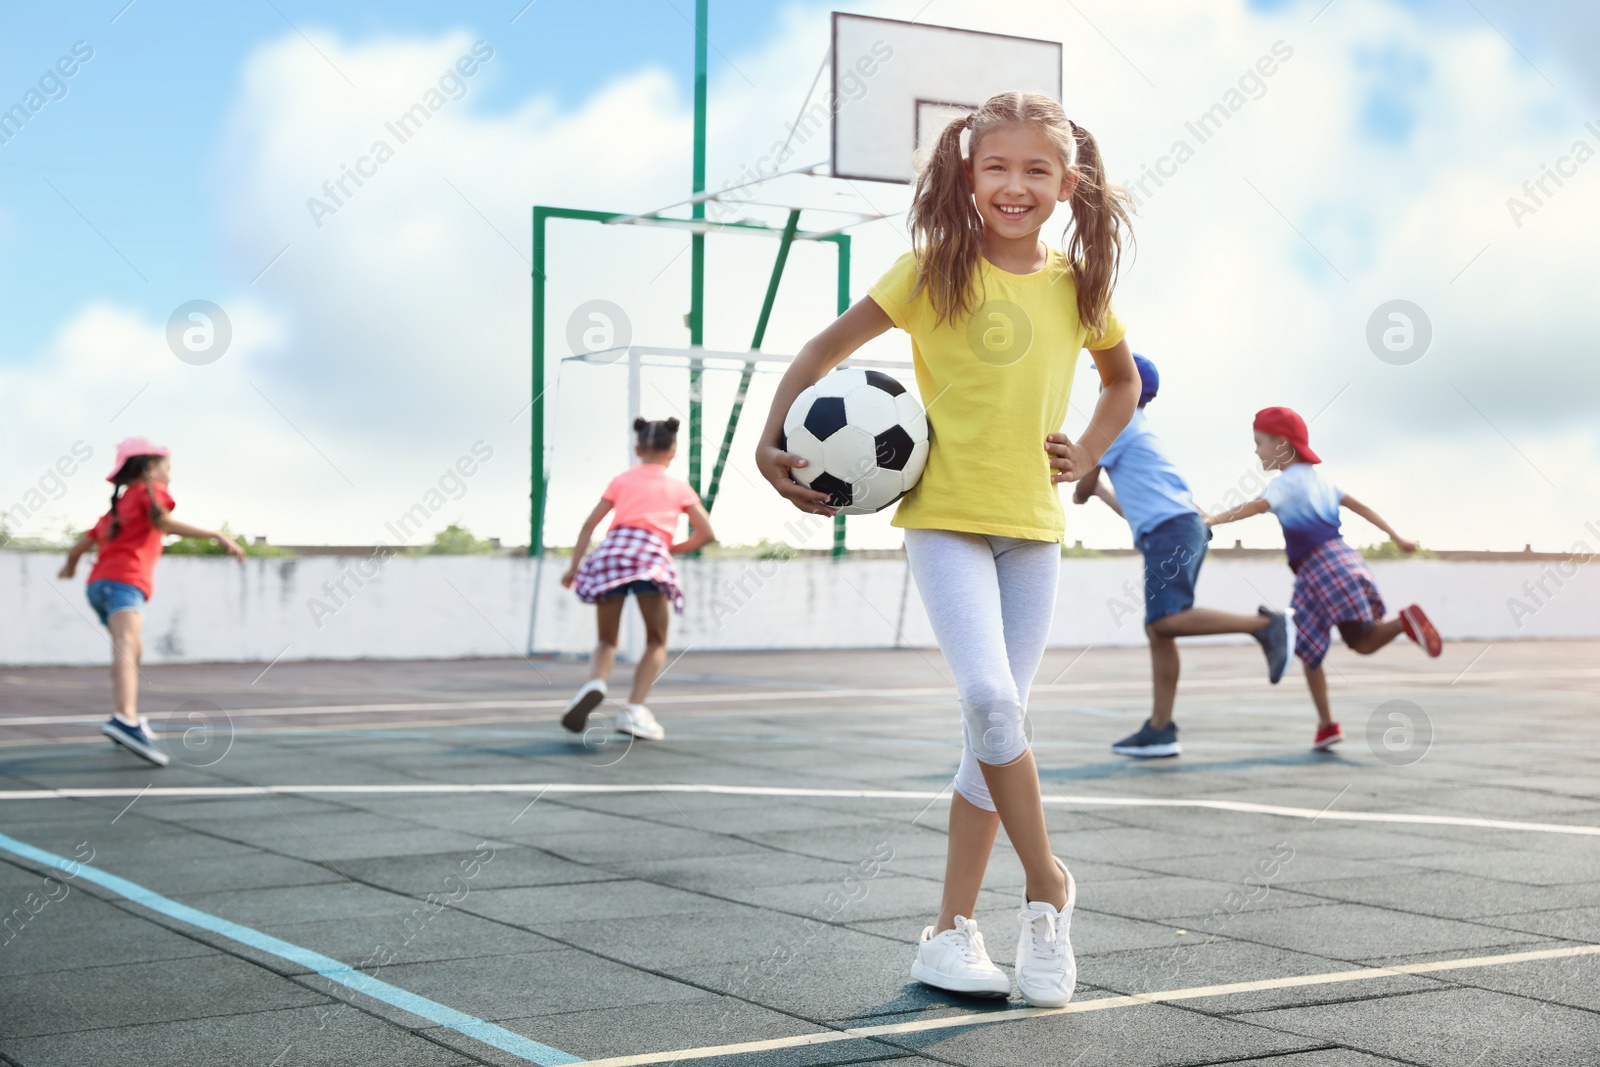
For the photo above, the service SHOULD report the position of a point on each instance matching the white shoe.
(1046, 968)
(957, 961)
(588, 698)
(637, 720)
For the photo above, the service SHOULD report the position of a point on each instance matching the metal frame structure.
(699, 226)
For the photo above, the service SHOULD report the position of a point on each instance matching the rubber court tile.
(508, 866)
(610, 901)
(1152, 1035)
(1450, 1028)
(1157, 898)
(209, 874)
(308, 1037)
(504, 987)
(305, 903)
(1450, 895)
(1327, 1057)
(1578, 864)
(631, 1029)
(1198, 963)
(416, 935)
(137, 993)
(1574, 981)
(1365, 933)
(1578, 924)
(81, 931)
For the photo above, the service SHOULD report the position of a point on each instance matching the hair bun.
(672, 424)
(639, 424)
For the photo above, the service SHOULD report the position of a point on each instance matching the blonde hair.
(947, 231)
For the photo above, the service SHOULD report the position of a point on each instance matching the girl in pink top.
(635, 557)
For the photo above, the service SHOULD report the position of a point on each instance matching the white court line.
(574, 788)
(945, 1022)
(757, 695)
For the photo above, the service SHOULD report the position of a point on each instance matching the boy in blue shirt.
(1171, 533)
(1333, 586)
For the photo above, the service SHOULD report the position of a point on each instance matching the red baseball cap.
(1287, 424)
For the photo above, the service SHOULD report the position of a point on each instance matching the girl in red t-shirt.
(128, 543)
(636, 556)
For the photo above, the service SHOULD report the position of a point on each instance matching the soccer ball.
(864, 437)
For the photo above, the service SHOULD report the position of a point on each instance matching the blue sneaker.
(135, 739)
(1274, 641)
(1150, 743)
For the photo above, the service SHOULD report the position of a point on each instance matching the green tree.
(457, 540)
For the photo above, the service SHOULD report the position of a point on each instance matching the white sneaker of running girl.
(587, 699)
(639, 721)
(1046, 968)
(957, 961)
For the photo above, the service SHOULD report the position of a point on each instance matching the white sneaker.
(957, 961)
(588, 698)
(1046, 969)
(637, 720)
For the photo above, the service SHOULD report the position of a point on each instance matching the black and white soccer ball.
(865, 439)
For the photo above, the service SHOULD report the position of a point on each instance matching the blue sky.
(1378, 161)
(131, 145)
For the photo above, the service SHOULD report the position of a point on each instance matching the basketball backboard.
(896, 85)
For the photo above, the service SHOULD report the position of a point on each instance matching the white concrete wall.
(210, 609)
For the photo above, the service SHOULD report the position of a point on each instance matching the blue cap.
(1149, 378)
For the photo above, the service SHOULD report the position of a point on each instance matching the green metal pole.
(697, 243)
(536, 470)
(843, 300)
(743, 391)
(538, 475)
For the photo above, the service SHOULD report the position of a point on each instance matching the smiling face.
(1275, 453)
(1018, 178)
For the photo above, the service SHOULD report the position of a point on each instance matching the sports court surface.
(410, 863)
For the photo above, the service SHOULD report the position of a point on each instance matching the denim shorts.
(637, 587)
(107, 598)
(1173, 552)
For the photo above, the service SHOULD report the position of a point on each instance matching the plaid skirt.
(628, 554)
(1333, 585)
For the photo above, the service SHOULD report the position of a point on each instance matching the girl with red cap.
(128, 543)
(1333, 586)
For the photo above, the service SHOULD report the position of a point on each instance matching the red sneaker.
(1420, 630)
(1327, 736)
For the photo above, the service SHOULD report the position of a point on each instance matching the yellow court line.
(948, 1022)
(594, 788)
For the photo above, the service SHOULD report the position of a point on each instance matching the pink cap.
(135, 446)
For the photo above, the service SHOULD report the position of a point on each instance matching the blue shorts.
(1173, 552)
(637, 587)
(107, 598)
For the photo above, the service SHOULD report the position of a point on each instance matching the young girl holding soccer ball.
(996, 319)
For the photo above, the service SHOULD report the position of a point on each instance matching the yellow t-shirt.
(993, 385)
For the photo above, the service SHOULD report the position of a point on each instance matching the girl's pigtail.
(946, 230)
(157, 512)
(116, 522)
(1100, 224)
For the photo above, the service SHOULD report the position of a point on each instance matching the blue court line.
(327, 966)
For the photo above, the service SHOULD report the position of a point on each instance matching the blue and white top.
(1149, 488)
(1307, 506)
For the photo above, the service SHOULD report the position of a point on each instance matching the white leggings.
(990, 600)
